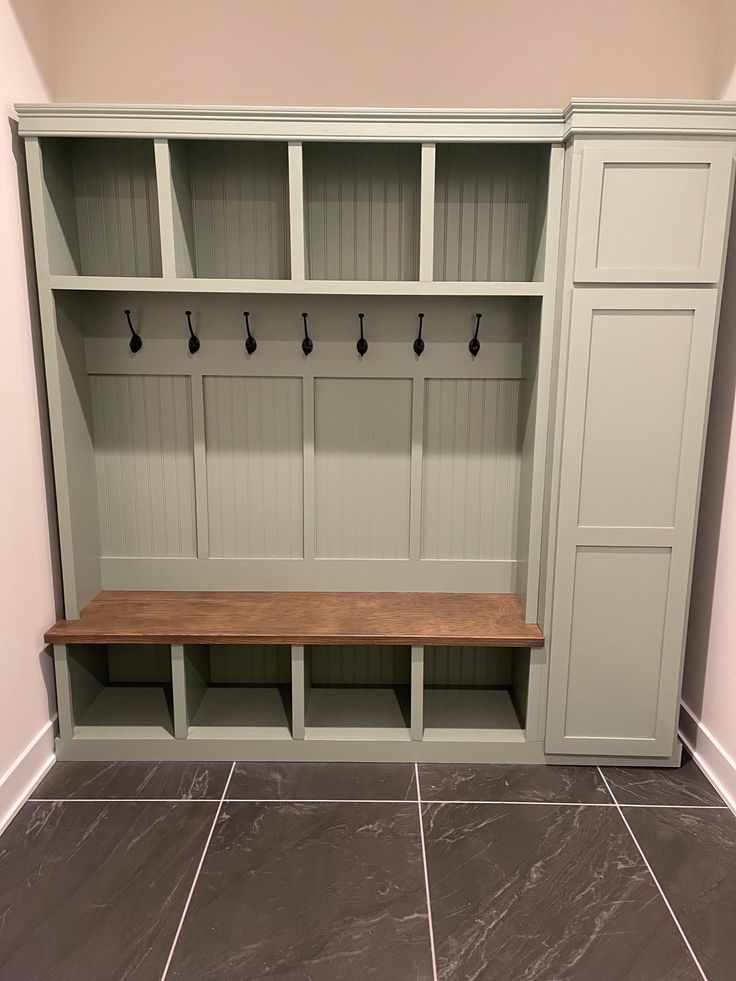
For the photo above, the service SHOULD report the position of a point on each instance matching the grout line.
(358, 800)
(196, 876)
(655, 879)
(426, 873)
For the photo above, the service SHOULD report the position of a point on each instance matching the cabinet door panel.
(652, 215)
(637, 385)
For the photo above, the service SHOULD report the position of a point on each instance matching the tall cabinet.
(644, 255)
(548, 478)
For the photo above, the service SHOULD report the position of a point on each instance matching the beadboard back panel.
(361, 211)
(460, 667)
(144, 462)
(234, 201)
(359, 665)
(101, 198)
(253, 439)
(490, 205)
(470, 476)
(140, 664)
(255, 664)
(362, 465)
(229, 470)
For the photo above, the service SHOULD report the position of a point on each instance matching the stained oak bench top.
(122, 617)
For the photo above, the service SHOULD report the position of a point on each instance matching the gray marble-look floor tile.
(510, 782)
(133, 781)
(309, 892)
(527, 893)
(96, 891)
(323, 781)
(693, 855)
(682, 786)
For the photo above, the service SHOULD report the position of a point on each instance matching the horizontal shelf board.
(132, 284)
(130, 711)
(463, 619)
(358, 713)
(470, 714)
(246, 711)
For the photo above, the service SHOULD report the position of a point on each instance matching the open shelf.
(231, 209)
(101, 207)
(238, 692)
(361, 211)
(474, 694)
(121, 691)
(355, 692)
(294, 286)
(490, 212)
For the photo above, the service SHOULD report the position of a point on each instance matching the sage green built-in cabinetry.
(561, 462)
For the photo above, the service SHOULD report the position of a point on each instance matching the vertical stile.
(417, 451)
(179, 682)
(165, 191)
(309, 496)
(298, 691)
(200, 467)
(426, 213)
(296, 211)
(63, 692)
(417, 693)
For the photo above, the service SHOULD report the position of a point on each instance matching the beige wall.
(26, 579)
(402, 52)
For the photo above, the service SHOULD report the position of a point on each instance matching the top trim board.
(580, 117)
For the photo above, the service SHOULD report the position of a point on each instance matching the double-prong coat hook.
(362, 344)
(193, 339)
(474, 345)
(418, 344)
(250, 343)
(136, 342)
(307, 345)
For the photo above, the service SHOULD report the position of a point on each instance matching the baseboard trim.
(718, 766)
(24, 773)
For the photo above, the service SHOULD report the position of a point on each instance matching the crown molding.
(581, 117)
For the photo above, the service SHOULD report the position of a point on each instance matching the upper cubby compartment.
(231, 209)
(490, 212)
(361, 211)
(101, 207)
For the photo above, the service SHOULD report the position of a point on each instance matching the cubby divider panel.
(358, 692)
(237, 691)
(231, 208)
(102, 207)
(471, 693)
(121, 690)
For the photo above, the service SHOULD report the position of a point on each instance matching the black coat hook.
(193, 339)
(307, 345)
(418, 344)
(362, 344)
(474, 345)
(250, 344)
(136, 343)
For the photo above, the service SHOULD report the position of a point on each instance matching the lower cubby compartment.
(237, 691)
(357, 692)
(475, 694)
(121, 691)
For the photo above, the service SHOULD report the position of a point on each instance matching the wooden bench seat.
(477, 619)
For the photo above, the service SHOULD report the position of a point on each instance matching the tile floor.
(320, 872)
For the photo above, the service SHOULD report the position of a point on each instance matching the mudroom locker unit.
(377, 434)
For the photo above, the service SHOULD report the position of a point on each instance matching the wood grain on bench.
(122, 617)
